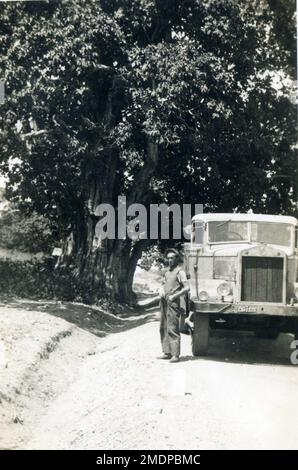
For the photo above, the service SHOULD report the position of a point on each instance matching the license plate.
(246, 308)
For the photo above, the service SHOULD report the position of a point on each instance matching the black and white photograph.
(148, 227)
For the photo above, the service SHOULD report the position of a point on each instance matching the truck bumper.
(224, 308)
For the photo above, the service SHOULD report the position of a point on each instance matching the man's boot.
(174, 359)
(165, 356)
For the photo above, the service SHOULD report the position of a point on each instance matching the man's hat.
(172, 250)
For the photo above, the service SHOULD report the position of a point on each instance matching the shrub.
(151, 257)
(32, 233)
(37, 279)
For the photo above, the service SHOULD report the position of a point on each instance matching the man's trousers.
(169, 327)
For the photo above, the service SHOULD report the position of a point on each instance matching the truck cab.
(243, 272)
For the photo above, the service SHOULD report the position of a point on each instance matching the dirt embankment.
(73, 377)
(43, 346)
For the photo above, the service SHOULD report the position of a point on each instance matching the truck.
(243, 274)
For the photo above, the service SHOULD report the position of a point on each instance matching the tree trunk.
(103, 270)
(106, 266)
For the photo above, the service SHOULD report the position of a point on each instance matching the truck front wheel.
(200, 335)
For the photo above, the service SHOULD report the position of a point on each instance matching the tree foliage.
(160, 100)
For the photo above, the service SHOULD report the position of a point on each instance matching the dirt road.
(66, 387)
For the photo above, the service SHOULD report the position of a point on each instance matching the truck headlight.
(224, 289)
(203, 295)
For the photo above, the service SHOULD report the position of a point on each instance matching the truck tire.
(200, 335)
(267, 333)
(295, 330)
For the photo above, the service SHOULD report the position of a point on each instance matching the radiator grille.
(262, 279)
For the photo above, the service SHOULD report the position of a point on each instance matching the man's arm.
(189, 320)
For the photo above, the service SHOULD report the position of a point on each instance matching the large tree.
(158, 100)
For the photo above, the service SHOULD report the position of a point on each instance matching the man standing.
(175, 285)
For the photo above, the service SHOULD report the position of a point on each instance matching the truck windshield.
(263, 232)
(228, 231)
(271, 233)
